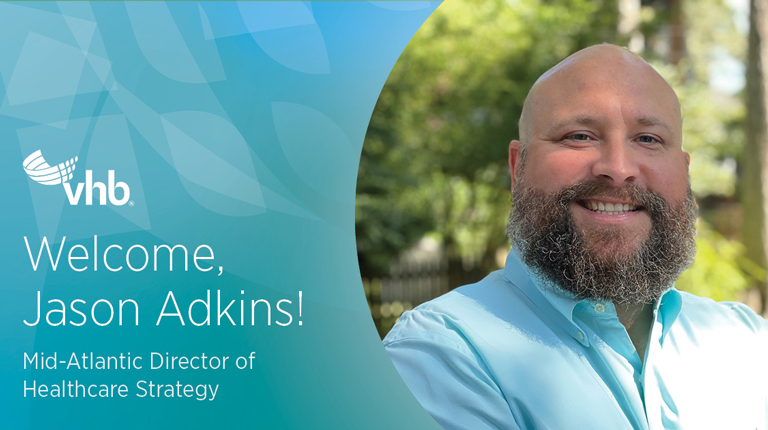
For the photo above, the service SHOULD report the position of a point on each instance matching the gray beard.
(541, 227)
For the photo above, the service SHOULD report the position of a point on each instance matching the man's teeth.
(609, 208)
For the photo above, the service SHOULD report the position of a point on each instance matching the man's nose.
(617, 162)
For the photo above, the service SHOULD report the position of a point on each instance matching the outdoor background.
(433, 185)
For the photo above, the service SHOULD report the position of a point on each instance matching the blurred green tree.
(434, 158)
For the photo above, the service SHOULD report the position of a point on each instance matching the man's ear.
(687, 159)
(515, 155)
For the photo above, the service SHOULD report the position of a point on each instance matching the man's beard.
(541, 226)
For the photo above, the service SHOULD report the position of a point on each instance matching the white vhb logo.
(39, 171)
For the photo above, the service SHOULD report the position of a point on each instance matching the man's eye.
(577, 136)
(648, 139)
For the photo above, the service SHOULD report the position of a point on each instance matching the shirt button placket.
(651, 390)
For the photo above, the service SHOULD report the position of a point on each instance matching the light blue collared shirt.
(507, 353)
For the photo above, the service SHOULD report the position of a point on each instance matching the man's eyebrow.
(645, 121)
(576, 119)
(650, 121)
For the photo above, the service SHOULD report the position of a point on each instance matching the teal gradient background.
(238, 126)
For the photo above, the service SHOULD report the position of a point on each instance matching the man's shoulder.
(703, 312)
(442, 318)
(465, 316)
(445, 352)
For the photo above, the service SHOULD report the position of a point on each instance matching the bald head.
(607, 67)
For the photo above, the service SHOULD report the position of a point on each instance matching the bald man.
(583, 328)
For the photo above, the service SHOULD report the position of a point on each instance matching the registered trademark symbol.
(130, 203)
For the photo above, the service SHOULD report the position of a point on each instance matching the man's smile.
(600, 211)
(609, 207)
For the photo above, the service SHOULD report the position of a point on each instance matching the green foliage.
(706, 32)
(434, 158)
(720, 270)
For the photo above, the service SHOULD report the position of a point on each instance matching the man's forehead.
(593, 77)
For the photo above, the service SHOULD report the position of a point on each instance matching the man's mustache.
(630, 193)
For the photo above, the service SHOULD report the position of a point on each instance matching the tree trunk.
(754, 162)
(677, 32)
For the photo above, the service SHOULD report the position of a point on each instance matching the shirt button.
(581, 336)
(599, 308)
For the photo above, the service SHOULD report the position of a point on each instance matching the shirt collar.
(558, 307)
(667, 309)
(560, 304)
